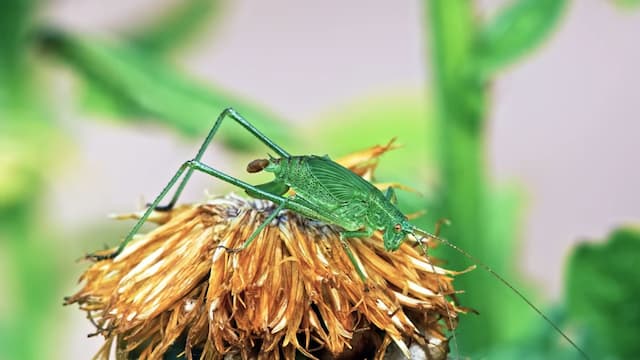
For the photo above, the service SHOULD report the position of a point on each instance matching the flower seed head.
(293, 290)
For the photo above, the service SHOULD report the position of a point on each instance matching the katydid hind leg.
(258, 192)
(234, 115)
(189, 165)
(143, 218)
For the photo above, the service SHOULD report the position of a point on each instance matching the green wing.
(339, 181)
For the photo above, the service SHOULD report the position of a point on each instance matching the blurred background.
(517, 120)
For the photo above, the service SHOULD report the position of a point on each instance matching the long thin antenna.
(505, 282)
(424, 246)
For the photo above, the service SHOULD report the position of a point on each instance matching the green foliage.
(177, 25)
(402, 114)
(603, 289)
(27, 140)
(539, 343)
(465, 54)
(128, 83)
(25, 145)
(15, 21)
(514, 32)
(18, 100)
(627, 3)
(504, 215)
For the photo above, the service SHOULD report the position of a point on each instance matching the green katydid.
(324, 191)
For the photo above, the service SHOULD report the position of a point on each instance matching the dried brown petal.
(292, 289)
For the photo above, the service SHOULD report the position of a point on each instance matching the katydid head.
(395, 234)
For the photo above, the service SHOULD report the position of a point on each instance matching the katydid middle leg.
(258, 230)
(352, 234)
(390, 195)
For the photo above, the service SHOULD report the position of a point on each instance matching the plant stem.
(460, 111)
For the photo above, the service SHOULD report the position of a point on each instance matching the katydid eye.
(397, 227)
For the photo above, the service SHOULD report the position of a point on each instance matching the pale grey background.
(563, 123)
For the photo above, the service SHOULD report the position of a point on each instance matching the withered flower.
(292, 291)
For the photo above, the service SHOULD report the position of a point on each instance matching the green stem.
(460, 111)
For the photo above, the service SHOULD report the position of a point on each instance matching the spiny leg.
(390, 195)
(194, 165)
(227, 113)
(352, 234)
(355, 234)
(258, 230)
(143, 218)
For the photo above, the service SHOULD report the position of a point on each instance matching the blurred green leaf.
(18, 99)
(16, 102)
(15, 20)
(127, 83)
(35, 291)
(28, 142)
(177, 25)
(517, 30)
(629, 4)
(539, 343)
(504, 220)
(375, 120)
(28, 152)
(603, 292)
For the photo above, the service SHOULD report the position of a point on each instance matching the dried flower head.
(292, 291)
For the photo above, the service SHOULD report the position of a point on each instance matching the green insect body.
(340, 197)
(324, 190)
